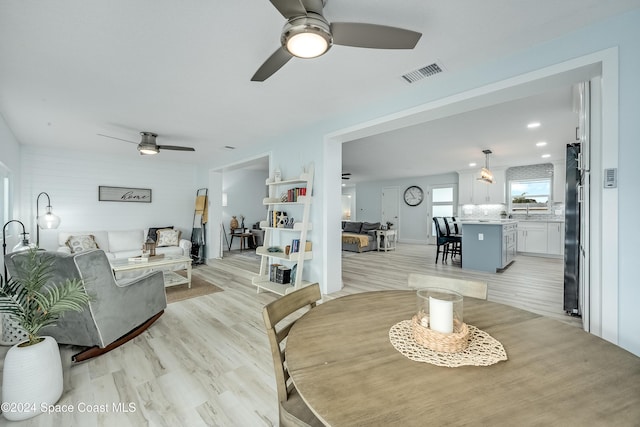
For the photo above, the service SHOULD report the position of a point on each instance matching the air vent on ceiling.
(423, 72)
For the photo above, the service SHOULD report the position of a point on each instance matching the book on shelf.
(295, 246)
(283, 275)
(273, 271)
(294, 193)
(275, 217)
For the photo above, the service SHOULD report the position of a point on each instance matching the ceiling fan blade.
(119, 139)
(271, 65)
(289, 8)
(175, 147)
(373, 36)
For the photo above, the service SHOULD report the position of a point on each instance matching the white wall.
(72, 178)
(10, 160)
(318, 143)
(414, 223)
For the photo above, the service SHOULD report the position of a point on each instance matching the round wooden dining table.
(342, 362)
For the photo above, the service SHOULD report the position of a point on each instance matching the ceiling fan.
(346, 175)
(148, 146)
(307, 34)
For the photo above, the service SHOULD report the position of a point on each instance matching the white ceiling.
(454, 142)
(73, 69)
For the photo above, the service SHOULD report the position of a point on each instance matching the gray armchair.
(118, 311)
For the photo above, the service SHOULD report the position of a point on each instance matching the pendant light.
(485, 173)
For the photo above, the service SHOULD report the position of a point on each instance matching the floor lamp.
(23, 245)
(48, 220)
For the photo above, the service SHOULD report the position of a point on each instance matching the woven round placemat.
(483, 349)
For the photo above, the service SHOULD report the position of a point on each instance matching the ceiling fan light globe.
(307, 36)
(148, 150)
(307, 45)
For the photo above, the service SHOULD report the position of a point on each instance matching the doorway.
(441, 201)
(602, 253)
(391, 206)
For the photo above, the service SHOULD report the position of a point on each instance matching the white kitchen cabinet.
(555, 238)
(509, 239)
(496, 191)
(474, 192)
(559, 181)
(532, 237)
(465, 188)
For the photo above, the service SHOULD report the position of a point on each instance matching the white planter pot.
(31, 380)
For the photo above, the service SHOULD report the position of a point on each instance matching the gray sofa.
(118, 311)
(359, 236)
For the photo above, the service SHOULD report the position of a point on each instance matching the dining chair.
(441, 238)
(453, 236)
(293, 411)
(467, 288)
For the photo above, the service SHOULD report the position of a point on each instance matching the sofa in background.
(359, 236)
(123, 243)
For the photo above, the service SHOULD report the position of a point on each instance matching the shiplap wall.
(72, 179)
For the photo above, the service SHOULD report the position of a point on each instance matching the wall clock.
(413, 195)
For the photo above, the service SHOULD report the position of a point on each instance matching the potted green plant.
(32, 373)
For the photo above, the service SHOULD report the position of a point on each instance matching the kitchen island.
(488, 245)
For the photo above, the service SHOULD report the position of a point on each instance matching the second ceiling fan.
(148, 145)
(307, 34)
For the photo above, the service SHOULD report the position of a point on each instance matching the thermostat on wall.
(611, 178)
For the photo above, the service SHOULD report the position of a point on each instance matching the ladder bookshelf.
(293, 196)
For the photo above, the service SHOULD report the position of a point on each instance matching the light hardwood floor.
(206, 361)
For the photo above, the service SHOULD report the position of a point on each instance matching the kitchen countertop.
(505, 221)
(488, 222)
(540, 220)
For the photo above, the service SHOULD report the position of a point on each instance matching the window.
(441, 204)
(5, 200)
(530, 195)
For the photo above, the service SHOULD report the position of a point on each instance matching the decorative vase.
(234, 223)
(31, 380)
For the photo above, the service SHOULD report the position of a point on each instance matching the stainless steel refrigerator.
(572, 289)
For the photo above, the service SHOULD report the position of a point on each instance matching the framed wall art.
(124, 194)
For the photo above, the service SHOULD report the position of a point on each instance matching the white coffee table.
(171, 278)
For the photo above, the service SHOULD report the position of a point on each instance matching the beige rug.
(199, 287)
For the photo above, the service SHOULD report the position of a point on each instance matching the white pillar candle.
(441, 315)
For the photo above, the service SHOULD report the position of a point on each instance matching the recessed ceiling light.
(533, 125)
(546, 156)
(472, 164)
(541, 144)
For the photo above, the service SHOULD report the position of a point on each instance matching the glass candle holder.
(440, 310)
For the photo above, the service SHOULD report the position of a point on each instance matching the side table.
(386, 239)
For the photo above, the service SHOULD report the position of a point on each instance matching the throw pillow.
(168, 237)
(81, 243)
(153, 232)
(370, 226)
(352, 227)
